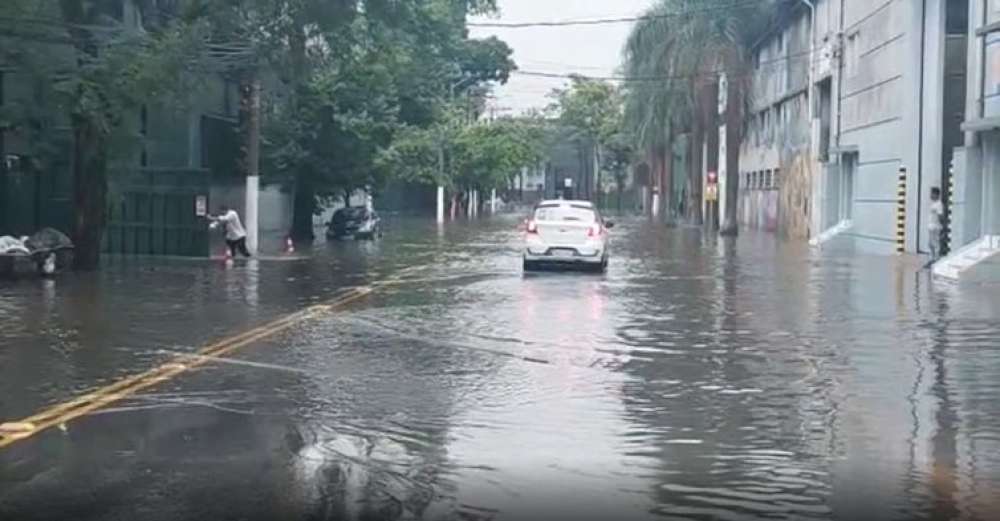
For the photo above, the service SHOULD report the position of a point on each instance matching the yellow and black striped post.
(901, 212)
(949, 203)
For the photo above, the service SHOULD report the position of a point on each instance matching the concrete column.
(493, 201)
(250, 212)
(440, 204)
(933, 133)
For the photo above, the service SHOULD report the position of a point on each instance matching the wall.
(775, 159)
(891, 105)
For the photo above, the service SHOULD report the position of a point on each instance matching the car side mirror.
(609, 224)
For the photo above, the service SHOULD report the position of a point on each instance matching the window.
(565, 213)
(992, 66)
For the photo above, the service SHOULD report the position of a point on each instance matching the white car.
(566, 233)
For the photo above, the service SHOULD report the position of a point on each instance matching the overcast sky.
(591, 50)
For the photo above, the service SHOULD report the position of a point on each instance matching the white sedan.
(566, 233)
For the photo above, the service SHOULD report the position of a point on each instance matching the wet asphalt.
(698, 378)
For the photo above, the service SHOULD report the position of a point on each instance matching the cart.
(43, 249)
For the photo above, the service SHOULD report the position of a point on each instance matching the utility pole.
(249, 122)
(441, 139)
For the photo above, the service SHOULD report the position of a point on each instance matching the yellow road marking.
(62, 413)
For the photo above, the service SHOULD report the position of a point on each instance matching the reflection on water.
(697, 379)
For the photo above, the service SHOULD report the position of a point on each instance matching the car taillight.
(532, 227)
(594, 230)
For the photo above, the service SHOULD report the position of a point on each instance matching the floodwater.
(697, 379)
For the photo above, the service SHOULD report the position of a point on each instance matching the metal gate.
(153, 212)
(31, 199)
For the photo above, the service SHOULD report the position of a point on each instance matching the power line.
(609, 21)
(783, 60)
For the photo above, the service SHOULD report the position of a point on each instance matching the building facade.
(849, 94)
(975, 203)
(776, 160)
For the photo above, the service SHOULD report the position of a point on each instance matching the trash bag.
(11, 246)
(48, 239)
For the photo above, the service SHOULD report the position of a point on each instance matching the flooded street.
(697, 379)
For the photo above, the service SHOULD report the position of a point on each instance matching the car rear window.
(565, 213)
(352, 214)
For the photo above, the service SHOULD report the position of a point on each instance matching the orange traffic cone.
(289, 245)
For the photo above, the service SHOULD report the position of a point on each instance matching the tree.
(480, 156)
(683, 47)
(593, 111)
(96, 73)
(619, 155)
(362, 77)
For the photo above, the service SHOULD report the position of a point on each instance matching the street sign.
(201, 206)
(568, 183)
(712, 193)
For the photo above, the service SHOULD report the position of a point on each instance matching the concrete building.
(849, 92)
(776, 160)
(975, 203)
(885, 101)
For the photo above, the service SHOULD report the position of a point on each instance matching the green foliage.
(591, 109)
(593, 112)
(488, 155)
(679, 46)
(86, 66)
(479, 156)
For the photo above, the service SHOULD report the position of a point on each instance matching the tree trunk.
(304, 201)
(668, 177)
(710, 112)
(598, 174)
(695, 164)
(734, 130)
(620, 181)
(304, 208)
(347, 198)
(90, 193)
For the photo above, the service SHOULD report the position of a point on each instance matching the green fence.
(31, 199)
(152, 212)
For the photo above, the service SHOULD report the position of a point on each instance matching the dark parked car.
(358, 222)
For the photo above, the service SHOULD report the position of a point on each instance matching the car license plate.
(562, 253)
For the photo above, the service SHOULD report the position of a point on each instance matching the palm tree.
(675, 56)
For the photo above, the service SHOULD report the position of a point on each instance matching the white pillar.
(440, 204)
(493, 201)
(654, 207)
(251, 214)
(469, 203)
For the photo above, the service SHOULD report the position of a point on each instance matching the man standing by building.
(236, 236)
(936, 225)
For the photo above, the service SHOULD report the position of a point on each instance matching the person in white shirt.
(236, 236)
(936, 225)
